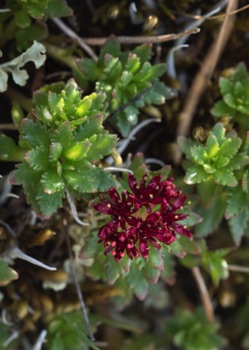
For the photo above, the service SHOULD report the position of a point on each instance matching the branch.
(142, 39)
(203, 76)
(77, 285)
(205, 297)
(69, 32)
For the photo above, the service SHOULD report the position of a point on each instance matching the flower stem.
(205, 297)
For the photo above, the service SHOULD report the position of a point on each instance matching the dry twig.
(142, 39)
(69, 32)
(77, 285)
(205, 297)
(205, 73)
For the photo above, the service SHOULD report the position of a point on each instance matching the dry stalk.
(205, 297)
(204, 74)
(142, 39)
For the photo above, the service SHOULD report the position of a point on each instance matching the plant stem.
(142, 39)
(77, 285)
(205, 297)
(238, 268)
(69, 32)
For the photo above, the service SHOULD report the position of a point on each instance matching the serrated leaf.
(225, 177)
(30, 179)
(186, 145)
(35, 133)
(144, 74)
(63, 135)
(222, 109)
(219, 131)
(226, 86)
(196, 174)
(49, 203)
(238, 225)
(151, 274)
(125, 78)
(112, 47)
(55, 151)
(143, 52)
(245, 181)
(113, 269)
(211, 214)
(35, 54)
(37, 158)
(212, 146)
(132, 64)
(78, 150)
(7, 274)
(238, 161)
(237, 201)
(230, 147)
(216, 265)
(113, 68)
(137, 281)
(102, 145)
(155, 259)
(52, 182)
(190, 330)
(89, 68)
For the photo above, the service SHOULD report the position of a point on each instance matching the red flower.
(146, 216)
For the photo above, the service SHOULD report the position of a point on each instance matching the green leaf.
(190, 330)
(143, 52)
(212, 146)
(30, 180)
(113, 269)
(102, 145)
(35, 54)
(67, 331)
(225, 177)
(111, 47)
(7, 274)
(214, 263)
(9, 151)
(137, 281)
(22, 19)
(237, 201)
(211, 214)
(196, 174)
(35, 133)
(230, 147)
(52, 182)
(239, 225)
(151, 274)
(222, 109)
(58, 8)
(37, 158)
(55, 151)
(89, 68)
(49, 202)
(78, 151)
(92, 126)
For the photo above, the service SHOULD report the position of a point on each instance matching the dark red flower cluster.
(147, 215)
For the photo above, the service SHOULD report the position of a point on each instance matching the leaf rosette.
(217, 160)
(63, 151)
(128, 80)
